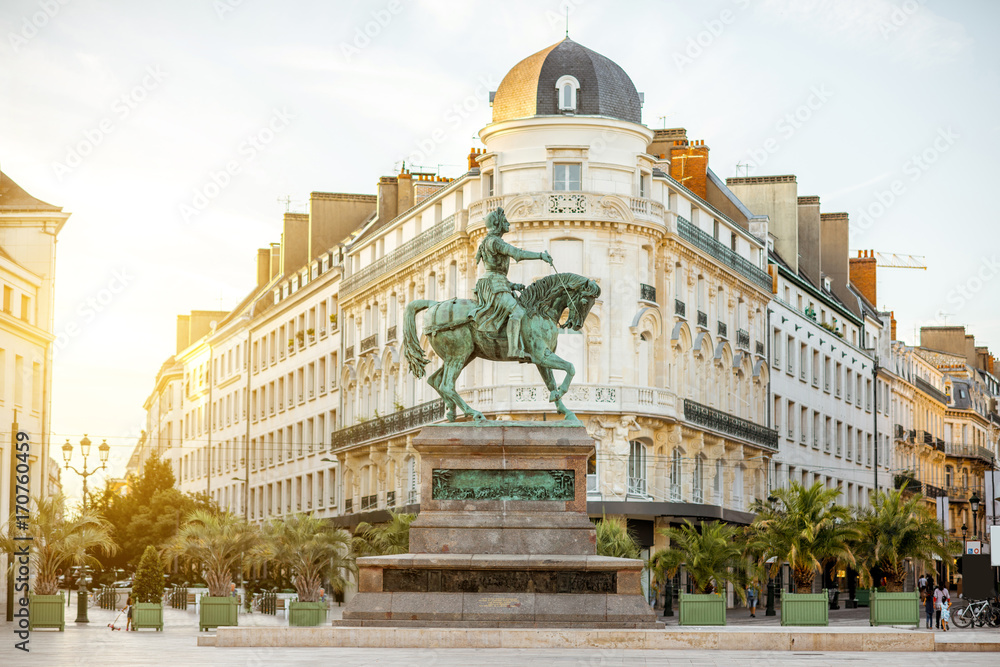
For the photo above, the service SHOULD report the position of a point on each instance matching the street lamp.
(974, 503)
(103, 450)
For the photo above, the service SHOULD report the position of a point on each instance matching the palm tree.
(805, 528)
(713, 556)
(896, 527)
(384, 539)
(59, 543)
(614, 538)
(312, 549)
(216, 543)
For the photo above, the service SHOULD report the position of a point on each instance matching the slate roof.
(529, 89)
(14, 198)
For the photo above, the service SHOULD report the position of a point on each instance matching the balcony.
(368, 344)
(932, 491)
(743, 339)
(706, 243)
(731, 425)
(390, 333)
(899, 432)
(702, 319)
(412, 497)
(679, 307)
(637, 486)
(397, 422)
(967, 450)
(390, 498)
(369, 502)
(349, 353)
(901, 480)
(961, 494)
(722, 329)
(760, 348)
(647, 293)
(397, 258)
(348, 505)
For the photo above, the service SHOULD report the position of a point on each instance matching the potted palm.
(58, 543)
(805, 528)
(894, 529)
(614, 539)
(147, 592)
(313, 550)
(217, 543)
(713, 556)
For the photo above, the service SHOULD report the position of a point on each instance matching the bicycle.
(978, 612)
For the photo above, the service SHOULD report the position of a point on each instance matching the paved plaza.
(95, 645)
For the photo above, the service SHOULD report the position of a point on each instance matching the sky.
(178, 133)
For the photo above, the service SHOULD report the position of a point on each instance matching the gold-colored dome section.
(529, 88)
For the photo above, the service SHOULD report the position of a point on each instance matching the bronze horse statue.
(455, 337)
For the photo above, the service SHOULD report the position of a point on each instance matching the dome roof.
(529, 89)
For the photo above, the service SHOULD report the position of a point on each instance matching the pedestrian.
(922, 582)
(928, 599)
(939, 594)
(752, 599)
(945, 613)
(128, 614)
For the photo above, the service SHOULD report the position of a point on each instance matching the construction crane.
(893, 260)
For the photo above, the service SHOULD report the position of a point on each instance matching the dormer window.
(566, 88)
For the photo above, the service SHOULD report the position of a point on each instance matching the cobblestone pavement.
(95, 645)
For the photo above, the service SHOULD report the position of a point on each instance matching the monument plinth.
(502, 539)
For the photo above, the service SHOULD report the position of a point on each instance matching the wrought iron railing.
(723, 330)
(728, 424)
(899, 432)
(391, 424)
(932, 491)
(760, 348)
(349, 353)
(926, 387)
(390, 333)
(743, 339)
(369, 343)
(911, 483)
(702, 319)
(637, 486)
(679, 307)
(390, 498)
(369, 502)
(967, 450)
(396, 258)
(705, 242)
(348, 505)
(647, 293)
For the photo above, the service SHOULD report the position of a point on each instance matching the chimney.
(777, 198)
(404, 192)
(473, 155)
(183, 329)
(275, 259)
(810, 238)
(892, 324)
(333, 216)
(863, 274)
(295, 242)
(263, 266)
(664, 140)
(388, 198)
(689, 165)
(835, 255)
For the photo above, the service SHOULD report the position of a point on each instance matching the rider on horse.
(494, 292)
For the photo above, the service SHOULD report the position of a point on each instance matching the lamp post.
(965, 533)
(974, 503)
(103, 450)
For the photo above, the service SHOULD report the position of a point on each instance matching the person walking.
(128, 615)
(922, 582)
(928, 598)
(945, 613)
(752, 599)
(940, 595)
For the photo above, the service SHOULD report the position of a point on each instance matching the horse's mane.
(540, 292)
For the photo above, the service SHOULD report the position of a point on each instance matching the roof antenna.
(567, 21)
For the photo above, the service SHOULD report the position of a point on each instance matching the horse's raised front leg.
(548, 361)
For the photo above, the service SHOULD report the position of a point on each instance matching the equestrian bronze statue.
(498, 325)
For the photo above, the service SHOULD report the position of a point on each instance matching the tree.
(148, 583)
(614, 539)
(215, 543)
(712, 555)
(894, 528)
(384, 539)
(805, 528)
(59, 543)
(312, 549)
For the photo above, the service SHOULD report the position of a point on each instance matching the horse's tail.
(411, 343)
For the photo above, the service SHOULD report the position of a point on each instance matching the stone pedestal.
(502, 540)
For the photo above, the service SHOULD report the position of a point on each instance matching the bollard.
(770, 599)
(81, 606)
(668, 600)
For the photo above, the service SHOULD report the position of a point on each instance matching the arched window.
(566, 88)
(636, 468)
(675, 475)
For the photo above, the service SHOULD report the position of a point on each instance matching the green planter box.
(702, 609)
(894, 608)
(147, 615)
(47, 611)
(805, 608)
(217, 611)
(306, 614)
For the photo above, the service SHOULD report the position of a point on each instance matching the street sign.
(973, 547)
